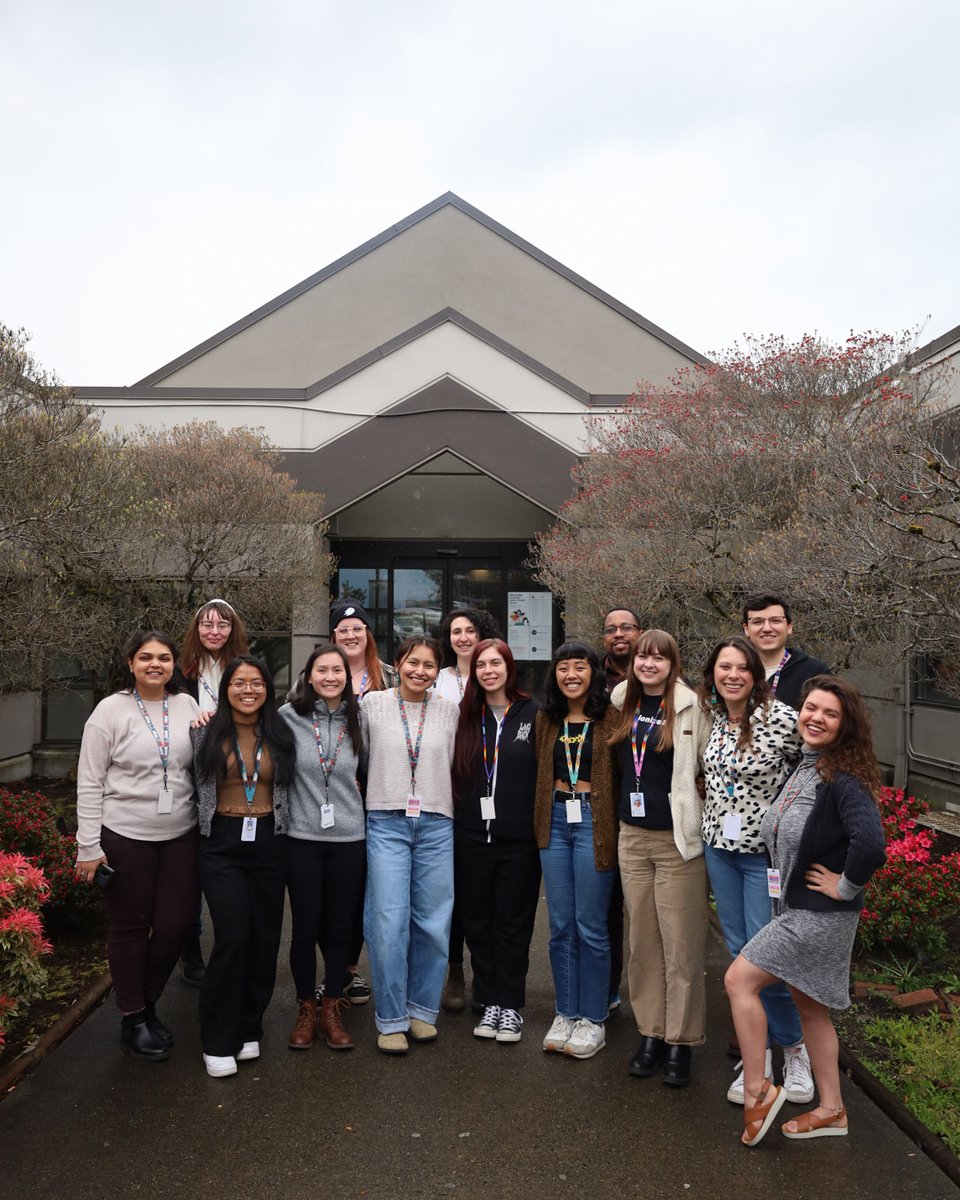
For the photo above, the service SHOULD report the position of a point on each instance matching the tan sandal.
(762, 1115)
(809, 1125)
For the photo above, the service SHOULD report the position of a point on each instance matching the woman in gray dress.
(825, 840)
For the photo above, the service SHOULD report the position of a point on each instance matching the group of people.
(418, 805)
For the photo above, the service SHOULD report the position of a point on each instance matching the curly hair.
(852, 752)
(479, 618)
(760, 695)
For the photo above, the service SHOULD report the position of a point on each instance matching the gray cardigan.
(207, 794)
(307, 791)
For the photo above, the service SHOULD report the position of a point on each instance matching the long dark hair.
(555, 702)
(303, 698)
(467, 752)
(276, 733)
(479, 618)
(652, 641)
(133, 645)
(760, 696)
(852, 752)
(194, 650)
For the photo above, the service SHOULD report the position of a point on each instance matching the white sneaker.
(488, 1024)
(797, 1079)
(735, 1090)
(558, 1034)
(586, 1040)
(508, 1029)
(248, 1051)
(219, 1065)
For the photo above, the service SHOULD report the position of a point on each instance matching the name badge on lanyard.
(165, 796)
(249, 831)
(414, 799)
(488, 809)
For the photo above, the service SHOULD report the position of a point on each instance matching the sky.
(745, 167)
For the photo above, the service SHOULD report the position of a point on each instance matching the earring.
(713, 695)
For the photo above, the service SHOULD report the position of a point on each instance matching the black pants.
(243, 883)
(325, 882)
(151, 902)
(497, 887)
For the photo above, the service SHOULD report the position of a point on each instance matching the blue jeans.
(739, 884)
(406, 916)
(578, 896)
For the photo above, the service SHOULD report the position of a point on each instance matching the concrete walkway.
(462, 1118)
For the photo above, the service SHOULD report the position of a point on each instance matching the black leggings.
(325, 885)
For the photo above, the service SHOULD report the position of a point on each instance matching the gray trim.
(934, 347)
(448, 198)
(445, 416)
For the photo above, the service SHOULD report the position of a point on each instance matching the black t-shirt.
(656, 774)
(575, 734)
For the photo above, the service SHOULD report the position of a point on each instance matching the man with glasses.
(767, 623)
(621, 632)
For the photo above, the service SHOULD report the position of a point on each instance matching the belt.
(563, 797)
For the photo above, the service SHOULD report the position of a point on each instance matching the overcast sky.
(746, 166)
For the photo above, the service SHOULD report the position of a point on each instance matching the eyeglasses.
(240, 685)
(759, 622)
(350, 631)
(209, 626)
(626, 627)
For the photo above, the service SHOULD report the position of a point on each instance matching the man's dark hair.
(764, 600)
(622, 608)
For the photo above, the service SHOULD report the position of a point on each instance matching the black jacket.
(798, 669)
(844, 834)
(516, 779)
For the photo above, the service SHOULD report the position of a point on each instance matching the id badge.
(487, 810)
(773, 882)
(413, 804)
(165, 801)
(637, 808)
(326, 816)
(249, 831)
(574, 816)
(731, 827)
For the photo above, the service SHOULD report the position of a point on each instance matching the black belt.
(562, 797)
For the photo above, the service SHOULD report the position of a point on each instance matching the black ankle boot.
(138, 1038)
(676, 1070)
(157, 1027)
(648, 1058)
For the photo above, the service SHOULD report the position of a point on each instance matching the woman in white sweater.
(137, 817)
(659, 745)
(409, 733)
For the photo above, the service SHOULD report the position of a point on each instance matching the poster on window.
(530, 625)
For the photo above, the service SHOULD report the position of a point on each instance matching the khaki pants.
(666, 902)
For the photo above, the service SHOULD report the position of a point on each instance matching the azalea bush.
(912, 902)
(23, 889)
(28, 827)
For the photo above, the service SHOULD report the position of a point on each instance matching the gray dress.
(809, 950)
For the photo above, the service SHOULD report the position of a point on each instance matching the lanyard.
(573, 770)
(787, 798)
(459, 680)
(327, 764)
(725, 766)
(208, 689)
(775, 678)
(249, 786)
(413, 752)
(491, 770)
(364, 680)
(163, 743)
(638, 759)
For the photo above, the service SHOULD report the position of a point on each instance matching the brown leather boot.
(303, 1033)
(331, 1025)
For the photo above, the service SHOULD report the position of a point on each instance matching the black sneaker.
(357, 990)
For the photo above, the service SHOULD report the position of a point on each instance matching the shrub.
(911, 901)
(23, 889)
(28, 827)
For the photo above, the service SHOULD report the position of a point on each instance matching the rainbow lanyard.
(491, 770)
(327, 764)
(573, 769)
(775, 678)
(638, 759)
(413, 752)
(163, 743)
(249, 785)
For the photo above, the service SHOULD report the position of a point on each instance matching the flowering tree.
(775, 467)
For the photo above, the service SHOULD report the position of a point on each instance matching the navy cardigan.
(844, 834)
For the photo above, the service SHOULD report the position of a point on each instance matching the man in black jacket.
(768, 623)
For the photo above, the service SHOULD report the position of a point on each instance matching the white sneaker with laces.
(508, 1029)
(220, 1065)
(735, 1090)
(488, 1024)
(587, 1039)
(797, 1077)
(558, 1034)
